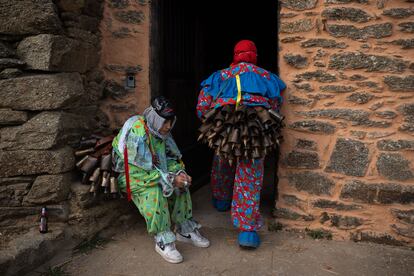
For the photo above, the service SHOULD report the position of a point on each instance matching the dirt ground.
(130, 251)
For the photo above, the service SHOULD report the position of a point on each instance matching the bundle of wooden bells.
(95, 162)
(242, 132)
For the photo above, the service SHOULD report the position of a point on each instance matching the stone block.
(337, 88)
(372, 63)
(293, 200)
(359, 191)
(313, 126)
(370, 123)
(83, 35)
(28, 251)
(345, 13)
(130, 69)
(304, 86)
(323, 43)
(55, 53)
(395, 145)
(381, 238)
(344, 114)
(317, 75)
(292, 39)
(25, 17)
(45, 131)
(6, 51)
(404, 43)
(130, 17)
(357, 77)
(9, 73)
(406, 27)
(297, 61)
(370, 84)
(379, 134)
(320, 96)
(29, 162)
(404, 231)
(86, 223)
(400, 84)
(114, 90)
(387, 114)
(292, 99)
(346, 1)
(407, 110)
(11, 63)
(299, 159)
(404, 215)
(389, 193)
(306, 144)
(352, 32)
(384, 193)
(298, 26)
(12, 117)
(118, 4)
(345, 222)
(313, 183)
(121, 33)
(357, 117)
(399, 12)
(285, 213)
(358, 134)
(349, 157)
(288, 15)
(13, 190)
(329, 204)
(300, 5)
(49, 189)
(42, 92)
(360, 98)
(394, 166)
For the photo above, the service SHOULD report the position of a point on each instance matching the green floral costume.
(147, 180)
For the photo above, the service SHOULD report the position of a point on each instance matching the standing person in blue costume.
(239, 108)
(154, 178)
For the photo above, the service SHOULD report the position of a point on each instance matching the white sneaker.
(169, 252)
(194, 238)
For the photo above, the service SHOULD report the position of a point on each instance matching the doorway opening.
(192, 39)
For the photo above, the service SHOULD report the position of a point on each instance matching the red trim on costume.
(126, 165)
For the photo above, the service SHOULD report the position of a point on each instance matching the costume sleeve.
(203, 103)
(174, 165)
(277, 88)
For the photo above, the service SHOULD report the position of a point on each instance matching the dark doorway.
(192, 39)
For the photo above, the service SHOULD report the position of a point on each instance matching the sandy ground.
(131, 252)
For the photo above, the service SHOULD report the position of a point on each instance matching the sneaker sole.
(158, 250)
(181, 239)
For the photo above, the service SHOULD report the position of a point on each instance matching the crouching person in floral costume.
(155, 179)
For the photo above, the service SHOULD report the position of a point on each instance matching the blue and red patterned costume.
(240, 183)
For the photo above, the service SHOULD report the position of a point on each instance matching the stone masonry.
(50, 87)
(348, 157)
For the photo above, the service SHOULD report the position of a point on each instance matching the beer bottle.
(43, 221)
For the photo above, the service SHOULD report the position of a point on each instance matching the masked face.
(166, 127)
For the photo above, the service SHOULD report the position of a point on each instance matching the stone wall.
(125, 52)
(347, 162)
(50, 87)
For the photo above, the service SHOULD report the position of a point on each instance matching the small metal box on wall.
(130, 81)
